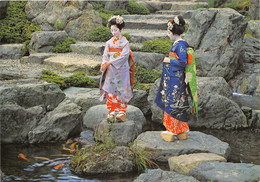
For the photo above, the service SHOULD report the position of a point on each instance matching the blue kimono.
(172, 95)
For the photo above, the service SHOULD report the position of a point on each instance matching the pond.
(244, 148)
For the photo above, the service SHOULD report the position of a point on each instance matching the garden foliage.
(16, 28)
(64, 46)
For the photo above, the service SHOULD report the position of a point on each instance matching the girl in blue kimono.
(172, 95)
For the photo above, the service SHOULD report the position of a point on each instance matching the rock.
(154, 6)
(44, 41)
(77, 18)
(3, 9)
(23, 104)
(7, 75)
(149, 60)
(248, 84)
(216, 109)
(58, 125)
(184, 163)
(11, 51)
(255, 120)
(139, 100)
(121, 133)
(251, 50)
(197, 142)
(72, 62)
(157, 113)
(155, 175)
(96, 114)
(88, 97)
(217, 35)
(84, 97)
(222, 171)
(88, 48)
(116, 5)
(254, 9)
(116, 161)
(38, 57)
(253, 28)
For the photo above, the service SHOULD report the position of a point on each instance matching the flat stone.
(184, 163)
(73, 62)
(39, 57)
(158, 175)
(197, 142)
(11, 51)
(222, 171)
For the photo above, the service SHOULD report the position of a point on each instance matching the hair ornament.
(170, 25)
(176, 20)
(119, 19)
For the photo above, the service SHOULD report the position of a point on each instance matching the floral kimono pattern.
(117, 78)
(172, 95)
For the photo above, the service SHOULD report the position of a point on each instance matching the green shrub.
(15, 28)
(127, 36)
(64, 46)
(136, 48)
(58, 25)
(95, 70)
(77, 80)
(144, 75)
(105, 17)
(121, 12)
(101, 34)
(161, 46)
(135, 8)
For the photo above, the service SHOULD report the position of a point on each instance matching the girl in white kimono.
(115, 81)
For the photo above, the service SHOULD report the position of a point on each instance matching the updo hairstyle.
(176, 25)
(116, 20)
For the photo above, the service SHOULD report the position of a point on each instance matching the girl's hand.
(104, 66)
(166, 60)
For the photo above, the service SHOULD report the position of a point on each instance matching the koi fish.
(23, 156)
(59, 166)
(44, 158)
(69, 141)
(72, 146)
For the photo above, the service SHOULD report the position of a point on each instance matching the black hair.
(113, 22)
(178, 29)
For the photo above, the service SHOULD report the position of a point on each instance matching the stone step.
(186, 14)
(92, 48)
(186, 5)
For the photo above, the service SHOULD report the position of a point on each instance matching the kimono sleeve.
(122, 58)
(181, 63)
(106, 54)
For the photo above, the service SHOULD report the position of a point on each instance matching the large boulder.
(149, 60)
(197, 142)
(155, 175)
(11, 51)
(253, 28)
(3, 9)
(254, 9)
(116, 5)
(222, 171)
(77, 18)
(44, 41)
(96, 114)
(216, 109)
(58, 125)
(34, 111)
(217, 36)
(251, 49)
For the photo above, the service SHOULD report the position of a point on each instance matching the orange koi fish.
(59, 166)
(72, 146)
(22, 156)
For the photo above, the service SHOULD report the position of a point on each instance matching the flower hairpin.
(176, 20)
(119, 20)
(170, 25)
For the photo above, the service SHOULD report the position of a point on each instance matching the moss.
(77, 80)
(95, 70)
(135, 8)
(127, 36)
(161, 46)
(64, 46)
(15, 28)
(101, 34)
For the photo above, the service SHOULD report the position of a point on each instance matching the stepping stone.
(72, 62)
(222, 171)
(184, 163)
(141, 35)
(197, 142)
(186, 14)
